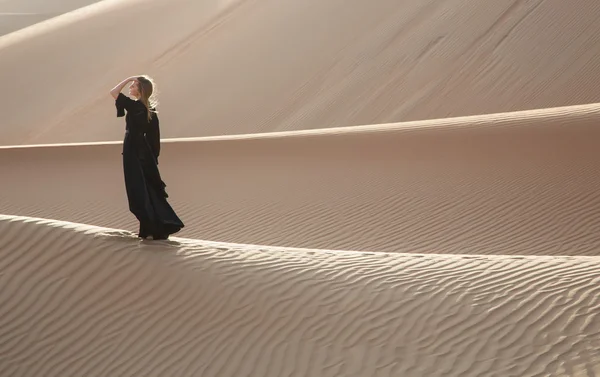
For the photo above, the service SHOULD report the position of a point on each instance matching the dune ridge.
(222, 70)
(36, 15)
(368, 188)
(509, 183)
(97, 302)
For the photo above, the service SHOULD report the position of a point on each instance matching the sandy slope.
(521, 187)
(10, 22)
(517, 183)
(85, 301)
(244, 66)
(18, 14)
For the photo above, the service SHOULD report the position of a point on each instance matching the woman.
(145, 189)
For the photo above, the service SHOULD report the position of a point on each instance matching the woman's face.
(134, 89)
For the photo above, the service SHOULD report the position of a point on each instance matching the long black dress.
(145, 189)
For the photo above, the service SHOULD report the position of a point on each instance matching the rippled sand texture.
(369, 189)
(78, 300)
(516, 183)
(243, 66)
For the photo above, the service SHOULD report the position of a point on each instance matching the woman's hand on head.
(114, 92)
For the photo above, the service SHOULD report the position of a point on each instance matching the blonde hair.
(147, 90)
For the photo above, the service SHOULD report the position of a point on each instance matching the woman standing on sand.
(145, 189)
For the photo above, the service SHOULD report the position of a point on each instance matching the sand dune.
(81, 300)
(18, 14)
(12, 21)
(234, 67)
(344, 216)
(515, 183)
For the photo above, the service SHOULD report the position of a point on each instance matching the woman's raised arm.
(117, 89)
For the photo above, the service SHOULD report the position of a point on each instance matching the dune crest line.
(368, 189)
(223, 70)
(96, 302)
(512, 183)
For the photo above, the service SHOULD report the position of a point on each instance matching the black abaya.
(145, 189)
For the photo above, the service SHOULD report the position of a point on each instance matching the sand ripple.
(510, 183)
(86, 301)
(478, 237)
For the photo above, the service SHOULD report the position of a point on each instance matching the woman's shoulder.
(127, 102)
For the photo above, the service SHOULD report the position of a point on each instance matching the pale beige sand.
(10, 22)
(84, 301)
(18, 14)
(516, 183)
(476, 239)
(242, 66)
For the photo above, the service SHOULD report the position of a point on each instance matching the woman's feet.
(153, 237)
(144, 233)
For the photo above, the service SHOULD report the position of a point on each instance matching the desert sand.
(88, 301)
(369, 189)
(19, 14)
(237, 66)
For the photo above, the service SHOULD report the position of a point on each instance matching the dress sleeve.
(123, 103)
